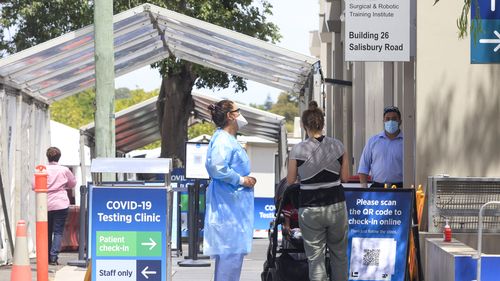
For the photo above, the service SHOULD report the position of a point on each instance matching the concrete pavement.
(252, 267)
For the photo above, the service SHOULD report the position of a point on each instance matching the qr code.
(371, 256)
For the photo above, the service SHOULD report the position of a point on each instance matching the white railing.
(480, 237)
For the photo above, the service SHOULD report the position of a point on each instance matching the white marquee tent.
(30, 80)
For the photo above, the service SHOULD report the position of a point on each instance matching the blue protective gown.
(229, 206)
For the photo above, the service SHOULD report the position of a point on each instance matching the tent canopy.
(143, 35)
(137, 125)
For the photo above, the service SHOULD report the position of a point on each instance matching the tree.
(287, 106)
(38, 21)
(34, 22)
(78, 110)
(200, 129)
(74, 111)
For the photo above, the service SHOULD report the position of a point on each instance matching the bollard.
(21, 268)
(42, 233)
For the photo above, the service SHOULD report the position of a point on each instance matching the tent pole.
(6, 214)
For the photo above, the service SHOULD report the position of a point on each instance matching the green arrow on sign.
(152, 243)
(149, 244)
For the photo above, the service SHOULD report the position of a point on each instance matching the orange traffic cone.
(21, 269)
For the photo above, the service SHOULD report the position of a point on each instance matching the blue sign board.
(128, 233)
(379, 227)
(485, 37)
(263, 212)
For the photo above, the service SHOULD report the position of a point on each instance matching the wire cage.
(458, 200)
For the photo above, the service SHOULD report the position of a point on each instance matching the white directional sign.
(492, 41)
(377, 30)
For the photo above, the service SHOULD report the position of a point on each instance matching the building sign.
(377, 30)
(485, 35)
(379, 227)
(128, 232)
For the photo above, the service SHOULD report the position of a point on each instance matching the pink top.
(59, 178)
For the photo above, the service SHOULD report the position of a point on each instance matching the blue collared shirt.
(382, 158)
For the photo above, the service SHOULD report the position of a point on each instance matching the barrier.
(71, 229)
(42, 231)
(21, 269)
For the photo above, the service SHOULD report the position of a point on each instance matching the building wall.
(458, 104)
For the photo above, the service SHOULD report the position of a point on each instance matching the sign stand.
(130, 223)
(82, 239)
(416, 241)
(179, 226)
(195, 169)
(192, 260)
(379, 230)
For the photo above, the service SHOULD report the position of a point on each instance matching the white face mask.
(241, 121)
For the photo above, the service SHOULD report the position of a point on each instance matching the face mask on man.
(391, 126)
(241, 121)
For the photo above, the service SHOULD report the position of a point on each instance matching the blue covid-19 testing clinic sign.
(379, 227)
(485, 35)
(128, 228)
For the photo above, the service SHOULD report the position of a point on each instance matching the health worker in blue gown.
(230, 197)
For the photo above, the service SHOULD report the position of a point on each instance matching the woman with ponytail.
(229, 199)
(320, 164)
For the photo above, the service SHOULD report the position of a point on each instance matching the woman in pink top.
(59, 179)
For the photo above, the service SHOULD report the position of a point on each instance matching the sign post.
(130, 225)
(377, 30)
(485, 39)
(196, 155)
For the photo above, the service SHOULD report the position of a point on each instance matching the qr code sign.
(371, 257)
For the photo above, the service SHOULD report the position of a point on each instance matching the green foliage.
(74, 111)
(242, 16)
(78, 110)
(136, 96)
(463, 20)
(33, 22)
(153, 145)
(289, 127)
(287, 106)
(200, 129)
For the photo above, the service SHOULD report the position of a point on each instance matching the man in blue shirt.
(382, 156)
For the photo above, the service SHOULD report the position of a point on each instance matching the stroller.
(286, 261)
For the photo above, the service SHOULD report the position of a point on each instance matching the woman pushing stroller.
(321, 163)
